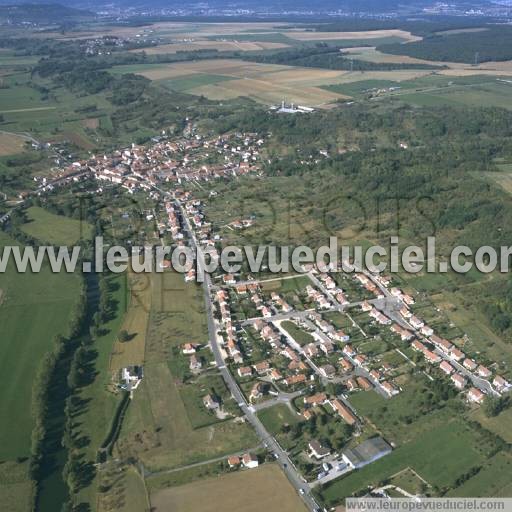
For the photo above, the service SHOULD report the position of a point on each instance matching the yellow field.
(266, 91)
(265, 488)
(10, 143)
(229, 67)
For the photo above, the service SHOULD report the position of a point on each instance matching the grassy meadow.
(34, 308)
(55, 229)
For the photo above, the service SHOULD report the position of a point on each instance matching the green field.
(187, 82)
(55, 229)
(492, 94)
(492, 480)
(34, 308)
(61, 115)
(499, 425)
(361, 87)
(440, 455)
(433, 90)
(276, 416)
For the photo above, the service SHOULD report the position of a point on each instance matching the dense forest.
(490, 44)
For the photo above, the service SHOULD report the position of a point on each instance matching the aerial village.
(306, 341)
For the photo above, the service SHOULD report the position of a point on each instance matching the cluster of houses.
(318, 297)
(176, 160)
(436, 350)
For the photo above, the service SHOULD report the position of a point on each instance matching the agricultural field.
(431, 89)
(157, 428)
(61, 115)
(221, 46)
(55, 229)
(264, 488)
(303, 35)
(492, 94)
(35, 308)
(188, 82)
(499, 425)
(231, 78)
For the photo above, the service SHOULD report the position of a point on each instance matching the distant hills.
(41, 13)
(274, 6)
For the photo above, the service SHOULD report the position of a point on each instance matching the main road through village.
(268, 440)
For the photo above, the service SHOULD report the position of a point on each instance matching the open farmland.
(55, 229)
(492, 94)
(264, 488)
(265, 83)
(170, 29)
(35, 308)
(492, 480)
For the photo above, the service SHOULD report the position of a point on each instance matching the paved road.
(277, 317)
(272, 445)
(282, 398)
